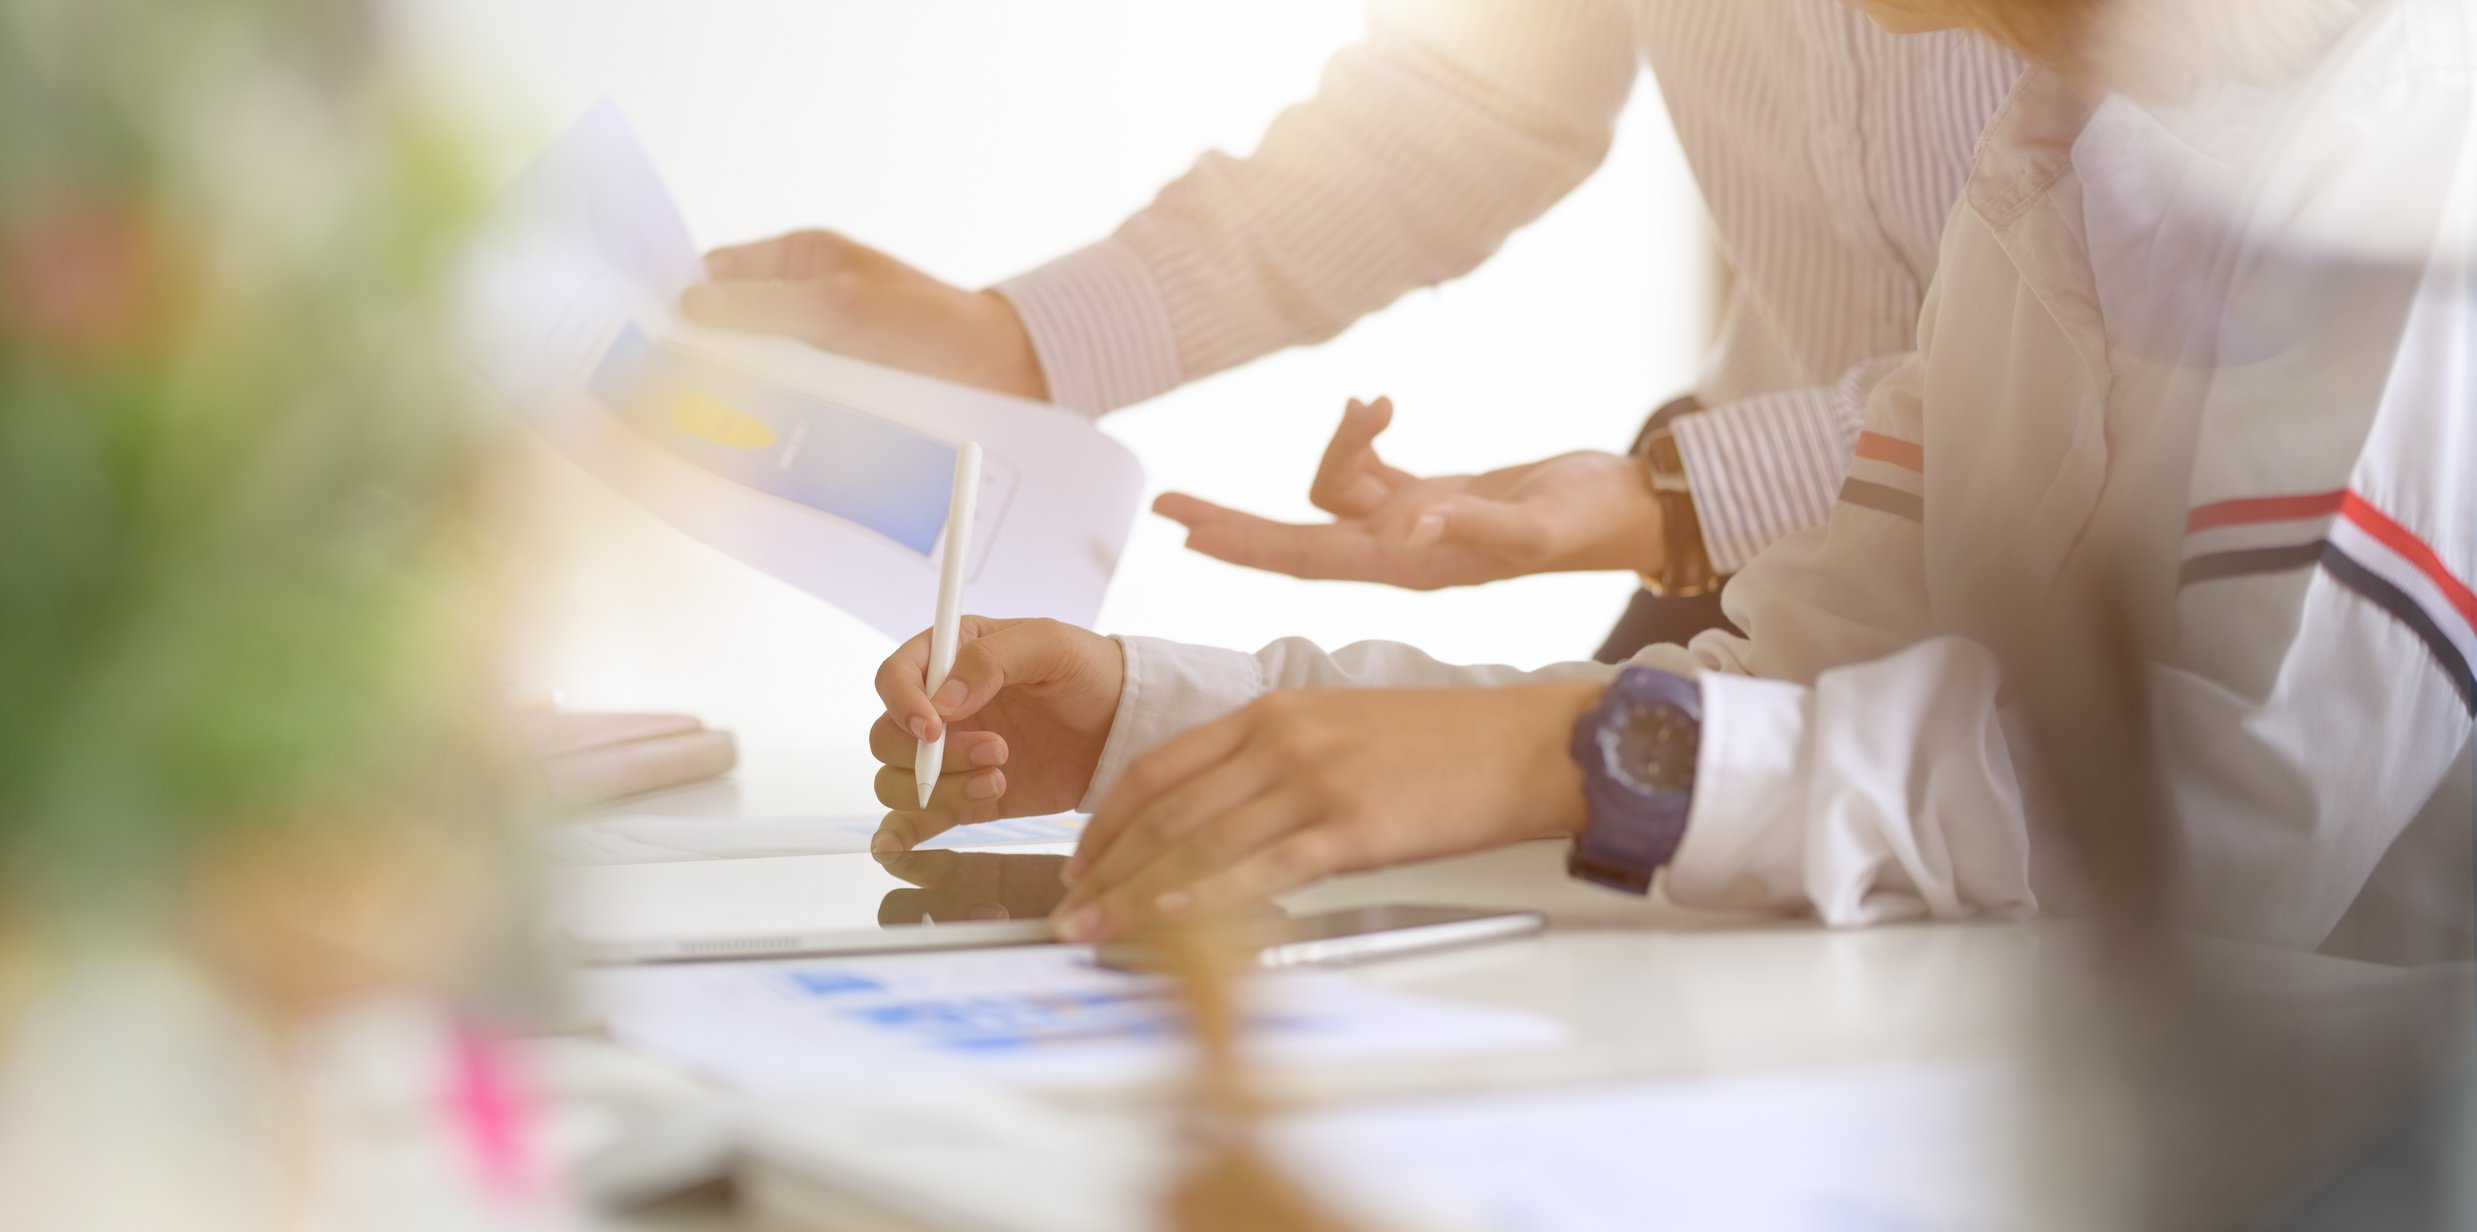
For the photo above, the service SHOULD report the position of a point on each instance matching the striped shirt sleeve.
(1099, 326)
(1767, 467)
(1452, 125)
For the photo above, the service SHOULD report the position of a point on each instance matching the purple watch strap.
(1633, 831)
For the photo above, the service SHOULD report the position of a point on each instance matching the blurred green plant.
(243, 588)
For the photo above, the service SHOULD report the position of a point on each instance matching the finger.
(1319, 553)
(1393, 477)
(1147, 862)
(1344, 484)
(1351, 480)
(991, 651)
(1191, 511)
(1174, 762)
(903, 684)
(930, 870)
(974, 792)
(965, 750)
(1514, 531)
(1169, 819)
(998, 654)
(789, 309)
(790, 257)
(1304, 853)
(1169, 886)
(907, 828)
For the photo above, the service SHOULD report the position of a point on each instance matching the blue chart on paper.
(1013, 1021)
(833, 983)
(1026, 1020)
(860, 468)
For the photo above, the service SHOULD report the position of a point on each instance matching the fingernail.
(988, 753)
(1171, 903)
(984, 786)
(949, 695)
(1428, 529)
(1083, 924)
(884, 844)
(920, 728)
(697, 299)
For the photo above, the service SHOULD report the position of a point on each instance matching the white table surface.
(1646, 988)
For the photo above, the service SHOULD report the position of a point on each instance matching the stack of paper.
(591, 758)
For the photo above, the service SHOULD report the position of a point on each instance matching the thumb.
(789, 309)
(791, 257)
(1512, 531)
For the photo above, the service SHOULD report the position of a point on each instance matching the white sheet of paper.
(1922, 1148)
(670, 840)
(1930, 1148)
(826, 472)
(1037, 1016)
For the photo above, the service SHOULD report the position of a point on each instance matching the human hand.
(971, 885)
(1577, 511)
(1301, 785)
(1029, 704)
(845, 297)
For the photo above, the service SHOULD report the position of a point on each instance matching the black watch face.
(1655, 749)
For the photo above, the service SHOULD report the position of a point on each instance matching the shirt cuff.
(1099, 326)
(1743, 842)
(1762, 469)
(1169, 688)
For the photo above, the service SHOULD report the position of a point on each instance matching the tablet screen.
(809, 893)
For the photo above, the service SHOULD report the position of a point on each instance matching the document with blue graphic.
(827, 472)
(1041, 1016)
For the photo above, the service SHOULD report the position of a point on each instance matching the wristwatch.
(1637, 749)
(1686, 569)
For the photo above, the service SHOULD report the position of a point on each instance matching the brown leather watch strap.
(1686, 569)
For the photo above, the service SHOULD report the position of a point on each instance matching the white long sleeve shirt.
(1827, 151)
(2218, 358)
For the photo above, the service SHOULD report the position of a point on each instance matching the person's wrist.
(1014, 365)
(1647, 542)
(1559, 796)
(1630, 534)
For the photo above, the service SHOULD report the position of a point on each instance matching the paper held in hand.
(829, 473)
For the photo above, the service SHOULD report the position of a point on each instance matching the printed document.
(826, 472)
(1035, 1016)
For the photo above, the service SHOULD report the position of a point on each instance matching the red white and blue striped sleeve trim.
(2360, 547)
(1889, 475)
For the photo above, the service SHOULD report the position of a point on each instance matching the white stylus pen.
(948, 630)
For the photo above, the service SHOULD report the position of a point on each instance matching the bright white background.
(977, 138)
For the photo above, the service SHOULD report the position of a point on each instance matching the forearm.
(1171, 687)
(1884, 791)
(1425, 146)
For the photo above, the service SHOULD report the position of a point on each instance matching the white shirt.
(2217, 360)
(1828, 152)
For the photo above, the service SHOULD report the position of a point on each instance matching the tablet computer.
(787, 906)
